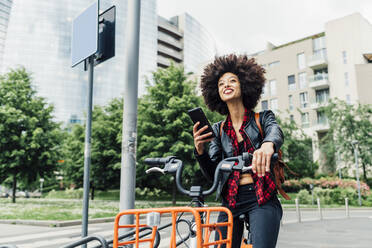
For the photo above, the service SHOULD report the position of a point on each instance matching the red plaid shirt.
(264, 186)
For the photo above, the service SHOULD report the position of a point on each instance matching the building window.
(322, 96)
(274, 104)
(344, 57)
(304, 100)
(319, 48)
(305, 122)
(346, 76)
(348, 99)
(301, 62)
(272, 87)
(265, 89)
(290, 101)
(321, 118)
(291, 83)
(291, 117)
(264, 105)
(302, 80)
(273, 64)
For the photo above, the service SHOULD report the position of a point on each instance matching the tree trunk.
(92, 195)
(174, 190)
(364, 172)
(14, 188)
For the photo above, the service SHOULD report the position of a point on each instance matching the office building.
(304, 74)
(185, 41)
(5, 8)
(39, 39)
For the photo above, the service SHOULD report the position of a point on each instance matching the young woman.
(232, 86)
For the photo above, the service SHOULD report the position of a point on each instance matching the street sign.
(106, 36)
(84, 42)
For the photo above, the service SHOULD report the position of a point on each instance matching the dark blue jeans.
(264, 220)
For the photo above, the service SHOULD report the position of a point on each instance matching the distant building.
(304, 74)
(5, 8)
(185, 41)
(39, 37)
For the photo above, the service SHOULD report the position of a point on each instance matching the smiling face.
(229, 87)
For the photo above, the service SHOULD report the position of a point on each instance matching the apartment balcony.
(318, 61)
(321, 126)
(319, 81)
(316, 105)
(167, 39)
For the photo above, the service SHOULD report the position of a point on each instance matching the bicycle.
(199, 225)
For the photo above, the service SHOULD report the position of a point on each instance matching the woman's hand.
(262, 158)
(200, 139)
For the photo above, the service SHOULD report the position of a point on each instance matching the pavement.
(333, 230)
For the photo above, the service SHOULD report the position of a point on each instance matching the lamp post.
(41, 185)
(355, 143)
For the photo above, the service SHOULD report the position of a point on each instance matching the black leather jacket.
(221, 147)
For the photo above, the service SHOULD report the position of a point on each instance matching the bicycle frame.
(201, 240)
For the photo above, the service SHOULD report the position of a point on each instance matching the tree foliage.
(29, 143)
(164, 127)
(347, 123)
(297, 150)
(105, 149)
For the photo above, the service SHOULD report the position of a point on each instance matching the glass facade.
(199, 45)
(5, 8)
(39, 37)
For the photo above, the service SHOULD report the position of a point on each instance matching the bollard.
(319, 209)
(347, 207)
(298, 210)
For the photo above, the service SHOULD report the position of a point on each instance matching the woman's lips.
(227, 91)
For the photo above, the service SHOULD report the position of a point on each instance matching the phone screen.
(196, 115)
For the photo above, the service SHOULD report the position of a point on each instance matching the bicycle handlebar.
(173, 165)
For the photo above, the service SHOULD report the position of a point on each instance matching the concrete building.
(5, 8)
(185, 41)
(39, 37)
(304, 74)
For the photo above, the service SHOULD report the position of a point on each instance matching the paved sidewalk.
(330, 233)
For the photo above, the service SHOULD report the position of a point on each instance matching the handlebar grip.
(155, 161)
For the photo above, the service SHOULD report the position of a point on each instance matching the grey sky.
(246, 25)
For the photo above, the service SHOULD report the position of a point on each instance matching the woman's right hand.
(199, 138)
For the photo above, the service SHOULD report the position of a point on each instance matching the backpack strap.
(221, 127)
(257, 118)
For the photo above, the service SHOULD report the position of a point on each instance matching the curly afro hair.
(250, 74)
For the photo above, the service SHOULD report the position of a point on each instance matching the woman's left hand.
(262, 158)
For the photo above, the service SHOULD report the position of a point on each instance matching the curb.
(52, 223)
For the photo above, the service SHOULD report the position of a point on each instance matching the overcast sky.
(246, 25)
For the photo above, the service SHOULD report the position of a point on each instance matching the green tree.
(29, 146)
(297, 150)
(164, 127)
(105, 150)
(347, 123)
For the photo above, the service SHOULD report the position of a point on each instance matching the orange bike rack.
(207, 228)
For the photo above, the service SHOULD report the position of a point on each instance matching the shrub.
(66, 194)
(304, 197)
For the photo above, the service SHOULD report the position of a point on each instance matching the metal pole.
(129, 140)
(347, 207)
(88, 132)
(319, 209)
(339, 165)
(357, 174)
(298, 210)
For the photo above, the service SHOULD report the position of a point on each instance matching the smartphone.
(196, 115)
